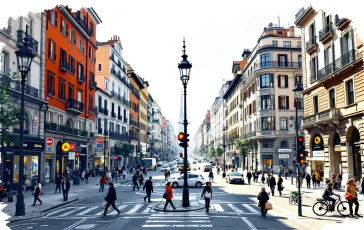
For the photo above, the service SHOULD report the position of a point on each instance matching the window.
(72, 65)
(70, 92)
(328, 56)
(90, 54)
(282, 81)
(62, 90)
(53, 17)
(268, 123)
(72, 37)
(332, 98)
(267, 102)
(313, 68)
(283, 102)
(315, 104)
(287, 44)
(91, 29)
(51, 84)
(282, 60)
(267, 143)
(80, 70)
(106, 88)
(59, 119)
(91, 100)
(266, 81)
(52, 50)
(283, 123)
(275, 43)
(50, 117)
(2, 63)
(299, 60)
(298, 44)
(350, 92)
(264, 60)
(99, 67)
(79, 95)
(64, 27)
(81, 46)
(63, 56)
(284, 144)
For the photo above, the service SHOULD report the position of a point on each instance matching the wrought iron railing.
(74, 104)
(311, 43)
(270, 64)
(64, 65)
(93, 84)
(327, 29)
(27, 89)
(81, 78)
(33, 44)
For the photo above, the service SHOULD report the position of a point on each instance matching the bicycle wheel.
(320, 208)
(291, 200)
(343, 208)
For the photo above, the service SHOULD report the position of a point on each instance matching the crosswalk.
(178, 220)
(154, 185)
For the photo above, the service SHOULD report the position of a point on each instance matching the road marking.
(133, 210)
(179, 226)
(178, 221)
(218, 207)
(178, 218)
(121, 207)
(250, 224)
(75, 224)
(87, 210)
(236, 209)
(70, 212)
(59, 210)
(284, 210)
(148, 209)
(250, 208)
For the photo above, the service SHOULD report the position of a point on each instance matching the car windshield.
(235, 174)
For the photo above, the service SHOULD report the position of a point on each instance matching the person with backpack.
(263, 198)
(207, 192)
(168, 195)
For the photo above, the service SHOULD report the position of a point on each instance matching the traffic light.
(301, 153)
(77, 154)
(180, 155)
(183, 139)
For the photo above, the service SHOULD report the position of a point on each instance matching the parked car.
(235, 177)
(207, 168)
(194, 162)
(160, 163)
(213, 164)
(165, 167)
(192, 180)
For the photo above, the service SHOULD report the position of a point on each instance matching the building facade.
(157, 130)
(332, 66)
(143, 116)
(34, 165)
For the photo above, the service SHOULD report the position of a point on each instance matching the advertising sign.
(66, 147)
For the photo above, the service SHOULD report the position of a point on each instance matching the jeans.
(58, 186)
(101, 188)
(249, 180)
(149, 193)
(112, 203)
(272, 189)
(86, 180)
(169, 202)
(207, 204)
(351, 202)
(65, 195)
(329, 198)
(136, 184)
(308, 183)
(211, 179)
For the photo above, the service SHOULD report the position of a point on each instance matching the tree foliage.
(123, 149)
(211, 152)
(219, 151)
(243, 147)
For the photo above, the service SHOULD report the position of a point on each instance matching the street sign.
(49, 141)
(99, 140)
(66, 147)
(71, 155)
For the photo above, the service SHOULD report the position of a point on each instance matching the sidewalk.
(53, 200)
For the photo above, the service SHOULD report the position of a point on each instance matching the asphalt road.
(233, 206)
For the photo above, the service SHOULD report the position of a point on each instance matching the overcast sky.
(216, 33)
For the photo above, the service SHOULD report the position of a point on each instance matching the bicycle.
(322, 206)
(293, 198)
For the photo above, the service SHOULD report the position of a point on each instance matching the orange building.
(70, 86)
(134, 125)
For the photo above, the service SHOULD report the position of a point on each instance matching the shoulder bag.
(165, 195)
(348, 197)
(268, 206)
(208, 195)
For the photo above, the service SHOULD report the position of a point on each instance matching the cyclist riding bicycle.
(328, 193)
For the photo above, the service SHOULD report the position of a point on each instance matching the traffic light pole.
(298, 165)
(186, 193)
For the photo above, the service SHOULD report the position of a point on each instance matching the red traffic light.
(302, 161)
(77, 154)
(181, 136)
(300, 139)
(302, 155)
(180, 155)
(115, 157)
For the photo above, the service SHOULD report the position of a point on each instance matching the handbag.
(103, 205)
(259, 205)
(165, 195)
(348, 197)
(268, 206)
(208, 195)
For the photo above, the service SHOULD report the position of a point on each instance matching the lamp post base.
(185, 198)
(20, 205)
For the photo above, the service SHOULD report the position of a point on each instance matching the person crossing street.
(65, 188)
(211, 176)
(148, 186)
(58, 183)
(110, 199)
(308, 180)
(135, 182)
(272, 183)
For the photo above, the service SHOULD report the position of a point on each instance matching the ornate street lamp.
(25, 57)
(185, 68)
(297, 99)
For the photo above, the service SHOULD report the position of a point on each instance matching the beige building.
(332, 57)
(143, 116)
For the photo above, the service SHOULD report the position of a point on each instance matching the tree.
(219, 151)
(9, 114)
(211, 152)
(123, 149)
(244, 148)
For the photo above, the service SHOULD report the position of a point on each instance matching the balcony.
(337, 65)
(134, 123)
(113, 115)
(106, 133)
(33, 44)
(64, 66)
(91, 109)
(93, 84)
(155, 120)
(328, 116)
(299, 14)
(120, 98)
(341, 23)
(99, 131)
(277, 64)
(125, 120)
(81, 78)
(28, 90)
(119, 136)
(136, 94)
(120, 117)
(311, 46)
(73, 106)
(249, 135)
(106, 112)
(120, 77)
(66, 130)
(326, 33)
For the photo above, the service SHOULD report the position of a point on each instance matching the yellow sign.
(5, 144)
(66, 147)
(317, 140)
(77, 158)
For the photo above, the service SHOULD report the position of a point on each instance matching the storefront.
(81, 151)
(267, 162)
(318, 154)
(284, 157)
(32, 159)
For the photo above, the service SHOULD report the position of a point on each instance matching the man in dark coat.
(135, 182)
(272, 184)
(65, 188)
(110, 199)
(308, 180)
(58, 183)
(148, 185)
(249, 175)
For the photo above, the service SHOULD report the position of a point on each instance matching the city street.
(233, 206)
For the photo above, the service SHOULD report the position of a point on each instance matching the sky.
(216, 34)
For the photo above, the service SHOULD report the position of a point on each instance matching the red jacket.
(103, 180)
(169, 192)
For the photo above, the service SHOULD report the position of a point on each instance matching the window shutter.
(351, 36)
(279, 81)
(49, 48)
(55, 53)
(48, 18)
(341, 46)
(287, 102)
(325, 57)
(258, 82)
(286, 79)
(66, 30)
(55, 18)
(333, 52)
(317, 67)
(258, 103)
(279, 102)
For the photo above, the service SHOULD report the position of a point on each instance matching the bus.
(149, 163)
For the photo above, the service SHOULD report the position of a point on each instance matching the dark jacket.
(135, 179)
(263, 197)
(272, 181)
(249, 175)
(148, 186)
(207, 189)
(87, 175)
(111, 195)
(211, 174)
(58, 180)
(68, 185)
(280, 182)
(308, 178)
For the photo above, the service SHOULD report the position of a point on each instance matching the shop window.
(31, 168)
(267, 143)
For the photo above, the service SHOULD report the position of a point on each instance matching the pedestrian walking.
(207, 192)
(113, 176)
(58, 183)
(131, 171)
(87, 175)
(211, 176)
(148, 186)
(313, 177)
(166, 174)
(37, 191)
(83, 175)
(249, 176)
(110, 198)
(318, 179)
(285, 173)
(351, 190)
(272, 183)
(135, 182)
(263, 198)
(141, 180)
(124, 173)
(65, 188)
(25, 183)
(263, 178)
(280, 185)
(308, 180)
(102, 183)
(362, 186)
(169, 193)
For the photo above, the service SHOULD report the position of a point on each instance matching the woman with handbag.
(280, 185)
(37, 192)
(168, 195)
(263, 198)
(207, 191)
(351, 196)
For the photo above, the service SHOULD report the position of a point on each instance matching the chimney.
(290, 31)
